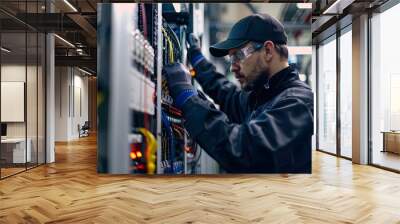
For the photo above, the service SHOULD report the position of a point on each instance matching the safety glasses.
(245, 52)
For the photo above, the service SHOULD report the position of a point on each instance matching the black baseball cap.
(257, 28)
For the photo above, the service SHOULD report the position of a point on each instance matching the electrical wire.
(172, 34)
(173, 131)
(170, 46)
(151, 146)
(168, 129)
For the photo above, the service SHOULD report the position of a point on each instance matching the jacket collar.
(268, 88)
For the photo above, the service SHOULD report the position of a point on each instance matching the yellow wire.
(170, 46)
(150, 150)
(171, 49)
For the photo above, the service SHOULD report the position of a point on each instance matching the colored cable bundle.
(173, 37)
(168, 129)
(174, 139)
(179, 131)
(170, 46)
(151, 147)
(171, 164)
(172, 110)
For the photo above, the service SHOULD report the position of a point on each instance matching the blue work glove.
(194, 53)
(179, 83)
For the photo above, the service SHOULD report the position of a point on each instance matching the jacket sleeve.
(232, 101)
(264, 144)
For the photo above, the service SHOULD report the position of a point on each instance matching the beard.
(256, 83)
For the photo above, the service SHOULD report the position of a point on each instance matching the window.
(385, 89)
(22, 77)
(327, 96)
(346, 92)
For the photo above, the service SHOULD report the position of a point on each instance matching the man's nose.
(235, 67)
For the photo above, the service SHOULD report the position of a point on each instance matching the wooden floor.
(70, 191)
(387, 159)
(10, 171)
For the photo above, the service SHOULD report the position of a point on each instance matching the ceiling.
(329, 15)
(72, 20)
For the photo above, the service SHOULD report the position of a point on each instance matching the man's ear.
(268, 47)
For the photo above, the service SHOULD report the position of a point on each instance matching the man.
(264, 128)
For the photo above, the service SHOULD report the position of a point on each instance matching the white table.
(19, 155)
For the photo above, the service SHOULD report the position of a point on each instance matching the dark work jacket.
(266, 130)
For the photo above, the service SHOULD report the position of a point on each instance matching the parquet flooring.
(70, 191)
(10, 171)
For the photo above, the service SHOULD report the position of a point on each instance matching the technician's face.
(248, 67)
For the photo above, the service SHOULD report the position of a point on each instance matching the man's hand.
(194, 53)
(179, 83)
(193, 41)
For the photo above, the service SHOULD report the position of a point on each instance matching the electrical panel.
(140, 129)
(180, 154)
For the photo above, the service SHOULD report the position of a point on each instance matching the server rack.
(140, 130)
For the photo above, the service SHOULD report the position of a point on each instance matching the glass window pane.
(385, 114)
(32, 88)
(313, 85)
(31, 97)
(327, 96)
(41, 98)
(23, 86)
(14, 153)
(346, 94)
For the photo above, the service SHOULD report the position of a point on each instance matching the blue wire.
(171, 137)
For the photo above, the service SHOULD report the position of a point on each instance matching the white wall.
(81, 104)
(71, 94)
(33, 126)
(61, 103)
(10, 73)
(16, 73)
